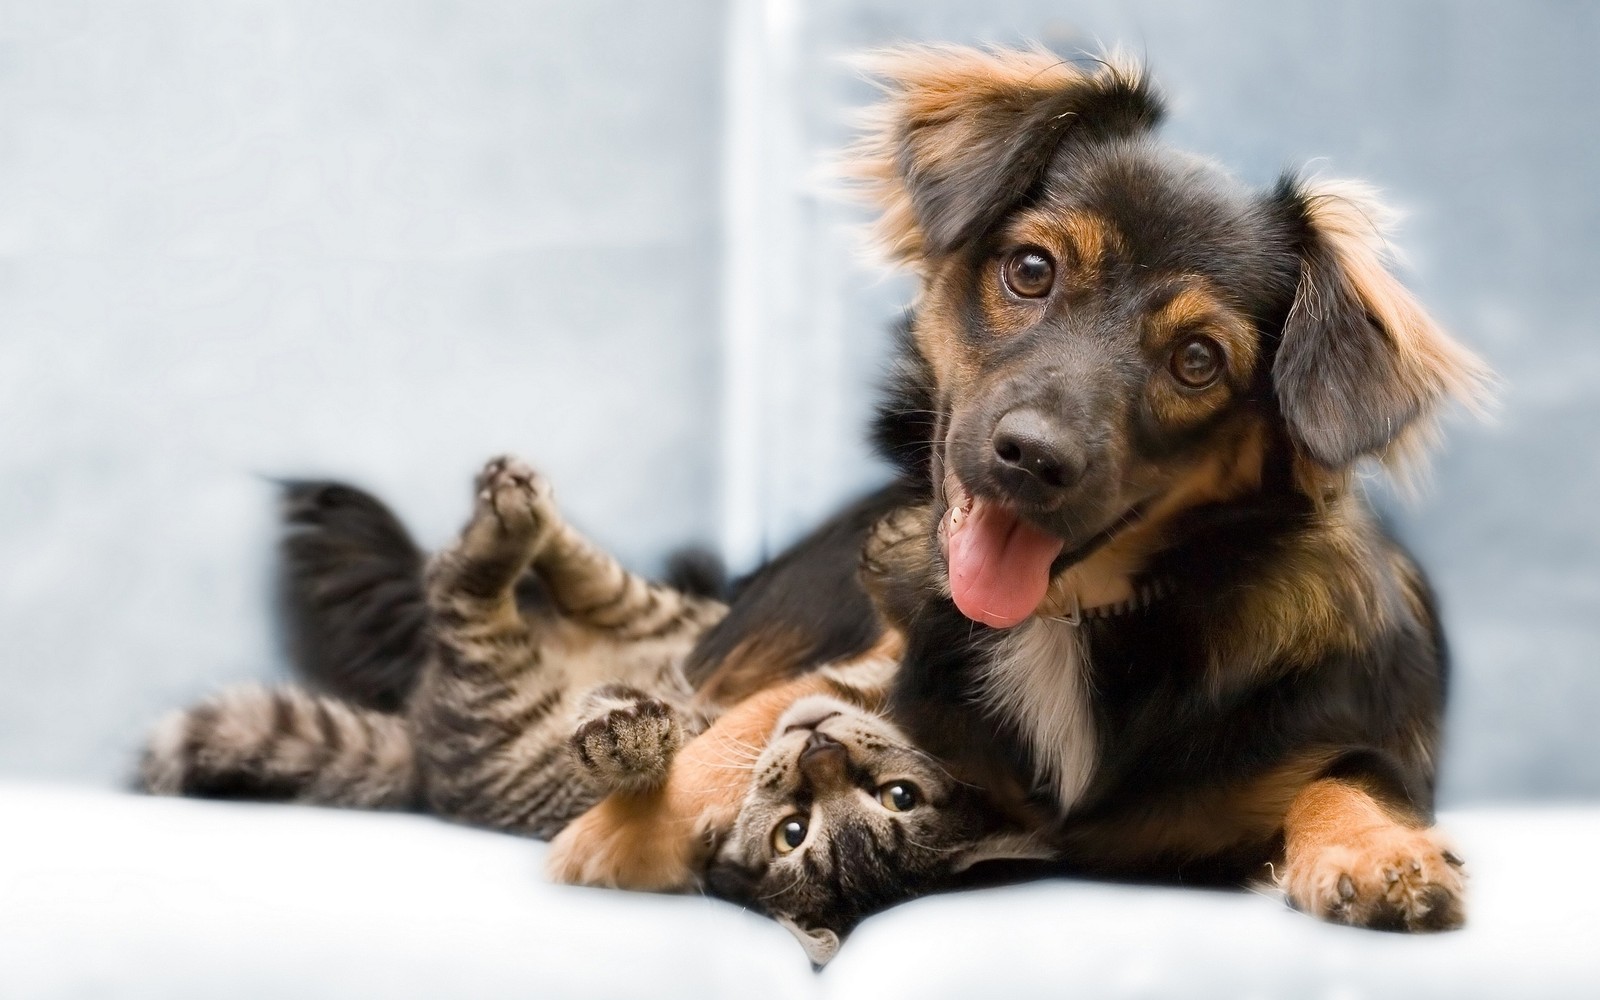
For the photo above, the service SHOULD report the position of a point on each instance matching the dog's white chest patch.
(1039, 681)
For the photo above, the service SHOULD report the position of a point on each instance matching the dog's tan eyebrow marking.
(1188, 305)
(1179, 305)
(1080, 240)
(1090, 237)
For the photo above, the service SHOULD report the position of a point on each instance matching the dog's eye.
(790, 834)
(1028, 272)
(1197, 362)
(899, 796)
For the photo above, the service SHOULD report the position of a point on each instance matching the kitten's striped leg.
(492, 714)
(589, 586)
(282, 745)
(488, 677)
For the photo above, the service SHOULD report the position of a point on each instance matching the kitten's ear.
(1361, 366)
(820, 943)
(1011, 845)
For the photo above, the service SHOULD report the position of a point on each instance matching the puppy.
(1148, 599)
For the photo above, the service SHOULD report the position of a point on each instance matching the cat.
(484, 737)
(567, 715)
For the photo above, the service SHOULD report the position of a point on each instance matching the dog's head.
(1110, 332)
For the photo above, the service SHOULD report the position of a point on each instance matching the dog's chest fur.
(1038, 679)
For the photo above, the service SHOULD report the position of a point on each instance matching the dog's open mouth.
(1000, 566)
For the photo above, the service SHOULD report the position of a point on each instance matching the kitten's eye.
(1196, 362)
(790, 834)
(1028, 272)
(899, 796)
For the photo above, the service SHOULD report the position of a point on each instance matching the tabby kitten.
(486, 735)
(843, 818)
(572, 716)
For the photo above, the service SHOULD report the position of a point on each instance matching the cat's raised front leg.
(493, 710)
(513, 517)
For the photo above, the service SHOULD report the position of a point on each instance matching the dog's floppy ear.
(1361, 368)
(963, 135)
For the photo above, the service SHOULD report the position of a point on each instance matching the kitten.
(570, 717)
(485, 734)
(843, 818)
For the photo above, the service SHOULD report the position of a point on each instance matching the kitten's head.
(845, 817)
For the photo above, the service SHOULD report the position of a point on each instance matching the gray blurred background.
(385, 240)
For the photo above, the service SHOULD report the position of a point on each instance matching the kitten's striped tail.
(282, 745)
(350, 599)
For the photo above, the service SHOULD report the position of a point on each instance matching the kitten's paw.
(626, 739)
(512, 495)
(513, 515)
(1391, 878)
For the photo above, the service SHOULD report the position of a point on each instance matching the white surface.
(114, 895)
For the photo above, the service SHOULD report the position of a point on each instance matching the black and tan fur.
(1235, 671)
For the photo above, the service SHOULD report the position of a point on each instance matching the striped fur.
(486, 735)
(252, 742)
(499, 701)
(818, 749)
(350, 606)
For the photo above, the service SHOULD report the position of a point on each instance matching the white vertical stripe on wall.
(762, 311)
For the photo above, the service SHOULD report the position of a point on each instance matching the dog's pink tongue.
(999, 565)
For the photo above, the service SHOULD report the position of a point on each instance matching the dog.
(1148, 602)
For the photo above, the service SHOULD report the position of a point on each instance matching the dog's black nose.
(1025, 440)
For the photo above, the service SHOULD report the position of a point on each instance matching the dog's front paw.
(896, 563)
(627, 739)
(1392, 878)
(884, 549)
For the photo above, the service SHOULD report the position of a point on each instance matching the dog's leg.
(1352, 858)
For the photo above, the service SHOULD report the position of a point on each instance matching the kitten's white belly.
(1038, 680)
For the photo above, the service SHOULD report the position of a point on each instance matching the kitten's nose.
(824, 759)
